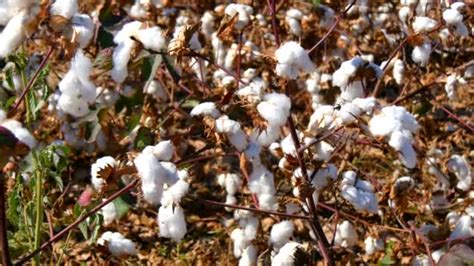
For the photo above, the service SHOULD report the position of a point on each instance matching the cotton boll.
(170, 175)
(171, 222)
(322, 119)
(392, 118)
(293, 18)
(347, 69)
(286, 254)
(120, 59)
(292, 58)
(266, 136)
(151, 173)
(64, 8)
(207, 22)
(421, 54)
(152, 38)
(175, 193)
(281, 233)
(460, 167)
(164, 150)
(373, 245)
(346, 235)
(451, 84)
(100, 164)
(464, 227)
(243, 14)
(249, 256)
(323, 151)
(84, 28)
(12, 35)
(231, 182)
(402, 142)
(275, 108)
(324, 176)
(156, 90)
(398, 71)
(423, 24)
(21, 133)
(359, 193)
(117, 244)
(109, 212)
(254, 91)
(206, 108)
(452, 16)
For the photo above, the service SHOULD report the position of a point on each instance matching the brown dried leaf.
(225, 30)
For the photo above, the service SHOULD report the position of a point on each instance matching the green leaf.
(144, 138)
(121, 206)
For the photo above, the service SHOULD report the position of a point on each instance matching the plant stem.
(79, 220)
(38, 207)
(3, 224)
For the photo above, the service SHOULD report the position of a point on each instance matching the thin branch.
(35, 75)
(3, 224)
(79, 220)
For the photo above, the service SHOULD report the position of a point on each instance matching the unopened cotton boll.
(171, 222)
(292, 59)
(64, 8)
(206, 108)
(243, 14)
(275, 108)
(346, 235)
(286, 254)
(117, 244)
(421, 53)
(101, 163)
(460, 167)
(281, 233)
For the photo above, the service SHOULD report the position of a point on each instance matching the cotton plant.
(77, 90)
(459, 166)
(352, 77)
(292, 59)
(346, 235)
(397, 124)
(117, 244)
(151, 38)
(359, 193)
(232, 184)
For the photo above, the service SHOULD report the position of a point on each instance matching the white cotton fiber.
(206, 108)
(117, 244)
(12, 35)
(460, 167)
(423, 24)
(101, 163)
(243, 12)
(286, 254)
(84, 28)
(421, 54)
(275, 108)
(346, 235)
(171, 222)
(64, 8)
(164, 150)
(152, 38)
(281, 233)
(292, 59)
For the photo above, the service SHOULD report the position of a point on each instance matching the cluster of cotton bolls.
(396, 123)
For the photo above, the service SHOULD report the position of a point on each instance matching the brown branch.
(3, 224)
(79, 220)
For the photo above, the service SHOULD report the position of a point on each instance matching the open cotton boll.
(293, 18)
(464, 227)
(110, 213)
(254, 91)
(156, 90)
(401, 141)
(322, 151)
(122, 52)
(346, 235)
(292, 58)
(233, 131)
(12, 35)
(64, 8)
(249, 256)
(451, 85)
(151, 173)
(392, 118)
(206, 108)
(152, 38)
(267, 136)
(170, 173)
(324, 176)
(84, 28)
(171, 222)
(164, 150)
(347, 69)
(398, 71)
(286, 254)
(421, 53)
(452, 16)
(460, 167)
(373, 245)
(263, 185)
(243, 14)
(240, 241)
(275, 108)
(21, 133)
(175, 193)
(359, 193)
(231, 183)
(101, 163)
(280, 234)
(423, 24)
(322, 119)
(207, 23)
(117, 244)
